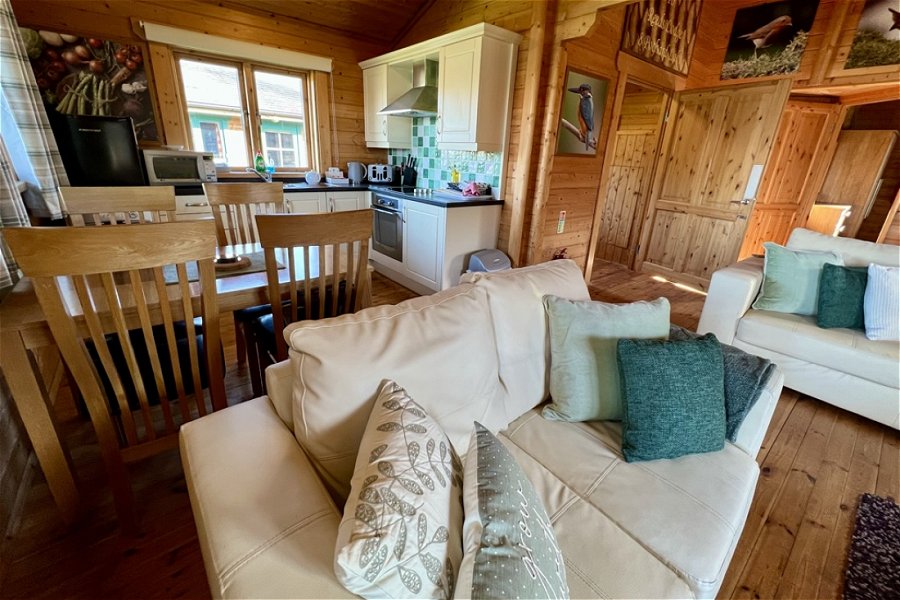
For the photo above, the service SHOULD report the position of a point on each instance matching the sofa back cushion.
(856, 253)
(440, 348)
(521, 325)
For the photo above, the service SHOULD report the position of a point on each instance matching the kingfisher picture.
(768, 39)
(583, 100)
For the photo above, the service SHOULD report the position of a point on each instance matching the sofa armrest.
(265, 523)
(731, 292)
(279, 382)
(753, 430)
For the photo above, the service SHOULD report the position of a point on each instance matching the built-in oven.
(387, 225)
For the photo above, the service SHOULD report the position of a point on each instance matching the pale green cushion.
(584, 375)
(510, 547)
(791, 279)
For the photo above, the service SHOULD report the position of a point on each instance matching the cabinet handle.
(384, 126)
(331, 205)
(440, 125)
(193, 204)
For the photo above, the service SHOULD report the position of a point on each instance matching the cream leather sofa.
(838, 366)
(267, 513)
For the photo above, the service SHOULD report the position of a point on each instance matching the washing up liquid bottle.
(259, 163)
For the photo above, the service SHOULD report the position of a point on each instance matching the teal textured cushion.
(842, 291)
(674, 397)
(791, 279)
(510, 549)
(584, 377)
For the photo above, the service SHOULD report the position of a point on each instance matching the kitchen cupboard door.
(702, 196)
(307, 203)
(383, 84)
(423, 243)
(342, 201)
(474, 93)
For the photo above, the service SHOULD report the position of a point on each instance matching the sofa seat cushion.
(844, 350)
(657, 529)
(440, 348)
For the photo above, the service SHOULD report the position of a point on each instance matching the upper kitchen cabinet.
(475, 79)
(382, 84)
(476, 70)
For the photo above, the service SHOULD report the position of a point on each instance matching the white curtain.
(25, 127)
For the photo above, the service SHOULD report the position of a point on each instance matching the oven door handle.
(389, 212)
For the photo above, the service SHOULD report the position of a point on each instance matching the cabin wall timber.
(340, 103)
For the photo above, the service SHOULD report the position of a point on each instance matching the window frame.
(250, 114)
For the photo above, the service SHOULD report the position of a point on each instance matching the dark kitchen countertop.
(290, 188)
(425, 196)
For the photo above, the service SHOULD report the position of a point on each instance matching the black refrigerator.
(98, 151)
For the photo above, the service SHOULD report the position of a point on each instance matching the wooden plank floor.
(816, 460)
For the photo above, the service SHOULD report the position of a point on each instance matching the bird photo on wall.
(877, 38)
(582, 107)
(768, 39)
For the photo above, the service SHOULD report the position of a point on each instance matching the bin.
(489, 261)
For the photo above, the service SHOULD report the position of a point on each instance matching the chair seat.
(248, 315)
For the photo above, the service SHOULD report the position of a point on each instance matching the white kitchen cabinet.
(423, 242)
(306, 203)
(475, 80)
(383, 84)
(437, 244)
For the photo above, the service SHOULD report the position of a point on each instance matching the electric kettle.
(356, 171)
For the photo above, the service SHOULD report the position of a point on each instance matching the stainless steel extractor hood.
(421, 100)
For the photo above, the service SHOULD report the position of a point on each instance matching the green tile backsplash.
(434, 165)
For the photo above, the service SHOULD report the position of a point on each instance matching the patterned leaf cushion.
(401, 532)
(510, 548)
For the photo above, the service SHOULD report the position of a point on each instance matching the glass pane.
(273, 158)
(271, 139)
(282, 112)
(213, 96)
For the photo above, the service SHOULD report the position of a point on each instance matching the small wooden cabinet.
(383, 84)
(474, 93)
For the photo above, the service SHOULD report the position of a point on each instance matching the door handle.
(743, 202)
(192, 204)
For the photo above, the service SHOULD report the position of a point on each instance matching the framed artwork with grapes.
(79, 75)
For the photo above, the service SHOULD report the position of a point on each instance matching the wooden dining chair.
(327, 273)
(234, 208)
(118, 205)
(116, 296)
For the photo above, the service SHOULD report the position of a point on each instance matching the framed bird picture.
(583, 100)
(768, 39)
(877, 39)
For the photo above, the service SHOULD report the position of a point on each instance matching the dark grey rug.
(873, 569)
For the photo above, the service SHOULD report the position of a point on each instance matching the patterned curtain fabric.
(44, 171)
(12, 214)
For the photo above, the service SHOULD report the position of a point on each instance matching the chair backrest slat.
(235, 206)
(317, 237)
(107, 205)
(116, 284)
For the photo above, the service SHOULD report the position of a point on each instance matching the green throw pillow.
(584, 377)
(791, 279)
(841, 294)
(674, 397)
(510, 548)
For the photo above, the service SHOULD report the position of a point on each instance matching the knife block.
(409, 177)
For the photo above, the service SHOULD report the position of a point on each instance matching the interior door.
(701, 199)
(855, 173)
(630, 174)
(803, 146)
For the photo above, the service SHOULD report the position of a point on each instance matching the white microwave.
(168, 167)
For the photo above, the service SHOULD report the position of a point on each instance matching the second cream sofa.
(267, 478)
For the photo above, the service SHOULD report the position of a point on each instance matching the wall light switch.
(561, 224)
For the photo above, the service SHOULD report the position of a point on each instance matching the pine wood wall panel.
(883, 115)
(119, 20)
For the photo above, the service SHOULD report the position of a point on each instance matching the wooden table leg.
(39, 424)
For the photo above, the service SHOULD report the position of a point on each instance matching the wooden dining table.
(30, 362)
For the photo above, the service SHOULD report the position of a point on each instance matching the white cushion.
(401, 535)
(441, 347)
(843, 350)
(521, 326)
(856, 253)
(653, 529)
(881, 305)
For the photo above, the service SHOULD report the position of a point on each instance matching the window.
(218, 103)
